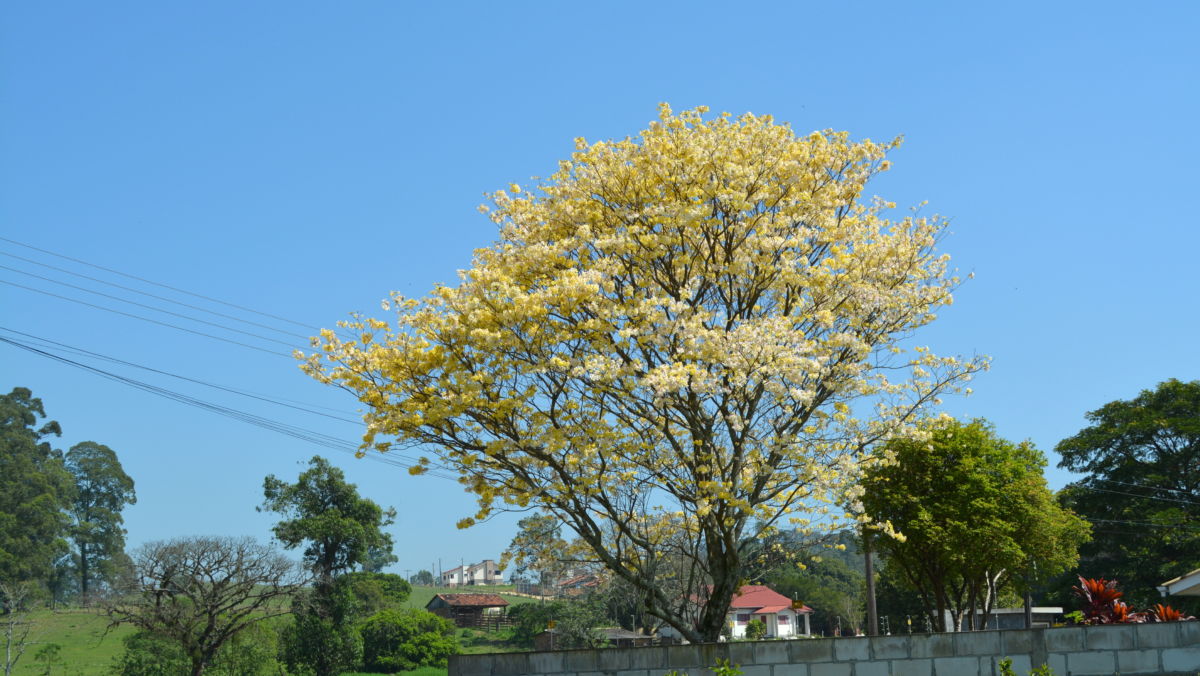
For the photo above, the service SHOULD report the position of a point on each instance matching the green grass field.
(87, 645)
(421, 595)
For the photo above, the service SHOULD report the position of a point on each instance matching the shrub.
(756, 629)
(402, 640)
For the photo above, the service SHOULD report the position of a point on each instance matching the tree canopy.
(974, 511)
(690, 334)
(340, 528)
(1142, 461)
(35, 490)
(200, 592)
(102, 490)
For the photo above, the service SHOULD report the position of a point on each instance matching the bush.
(249, 653)
(756, 629)
(322, 639)
(373, 592)
(401, 640)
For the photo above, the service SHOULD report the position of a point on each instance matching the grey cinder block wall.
(1169, 648)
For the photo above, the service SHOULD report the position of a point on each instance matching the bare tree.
(15, 596)
(201, 591)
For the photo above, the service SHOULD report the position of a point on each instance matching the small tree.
(403, 640)
(15, 597)
(202, 591)
(338, 528)
(974, 512)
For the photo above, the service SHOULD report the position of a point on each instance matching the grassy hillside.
(87, 646)
(421, 595)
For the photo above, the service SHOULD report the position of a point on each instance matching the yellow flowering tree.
(681, 341)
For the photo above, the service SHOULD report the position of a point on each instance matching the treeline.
(61, 532)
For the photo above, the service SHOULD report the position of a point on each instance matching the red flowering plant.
(1102, 604)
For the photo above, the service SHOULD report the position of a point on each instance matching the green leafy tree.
(422, 578)
(373, 592)
(102, 490)
(539, 547)
(831, 587)
(35, 490)
(322, 638)
(249, 653)
(323, 512)
(974, 512)
(1142, 461)
(574, 622)
(403, 640)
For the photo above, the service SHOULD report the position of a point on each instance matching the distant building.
(782, 616)
(467, 610)
(484, 572)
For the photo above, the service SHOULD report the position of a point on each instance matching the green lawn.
(87, 646)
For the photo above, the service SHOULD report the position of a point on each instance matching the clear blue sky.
(304, 159)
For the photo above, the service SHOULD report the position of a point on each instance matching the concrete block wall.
(1170, 648)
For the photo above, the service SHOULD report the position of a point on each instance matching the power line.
(159, 284)
(149, 307)
(151, 295)
(1144, 497)
(293, 431)
(145, 319)
(115, 360)
(1146, 486)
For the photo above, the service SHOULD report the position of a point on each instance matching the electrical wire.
(308, 408)
(151, 295)
(146, 319)
(159, 284)
(150, 307)
(317, 438)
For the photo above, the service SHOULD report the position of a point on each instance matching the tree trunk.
(83, 573)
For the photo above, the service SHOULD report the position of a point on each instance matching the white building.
(783, 617)
(484, 572)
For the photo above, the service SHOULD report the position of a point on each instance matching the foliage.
(423, 578)
(756, 629)
(321, 509)
(537, 546)
(250, 653)
(1006, 669)
(322, 638)
(833, 589)
(102, 490)
(398, 640)
(35, 490)
(50, 656)
(721, 668)
(1142, 460)
(1101, 604)
(574, 623)
(667, 345)
(373, 592)
(974, 512)
(200, 592)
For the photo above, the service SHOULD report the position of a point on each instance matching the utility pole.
(869, 569)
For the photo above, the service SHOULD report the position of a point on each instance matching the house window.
(743, 618)
(783, 619)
